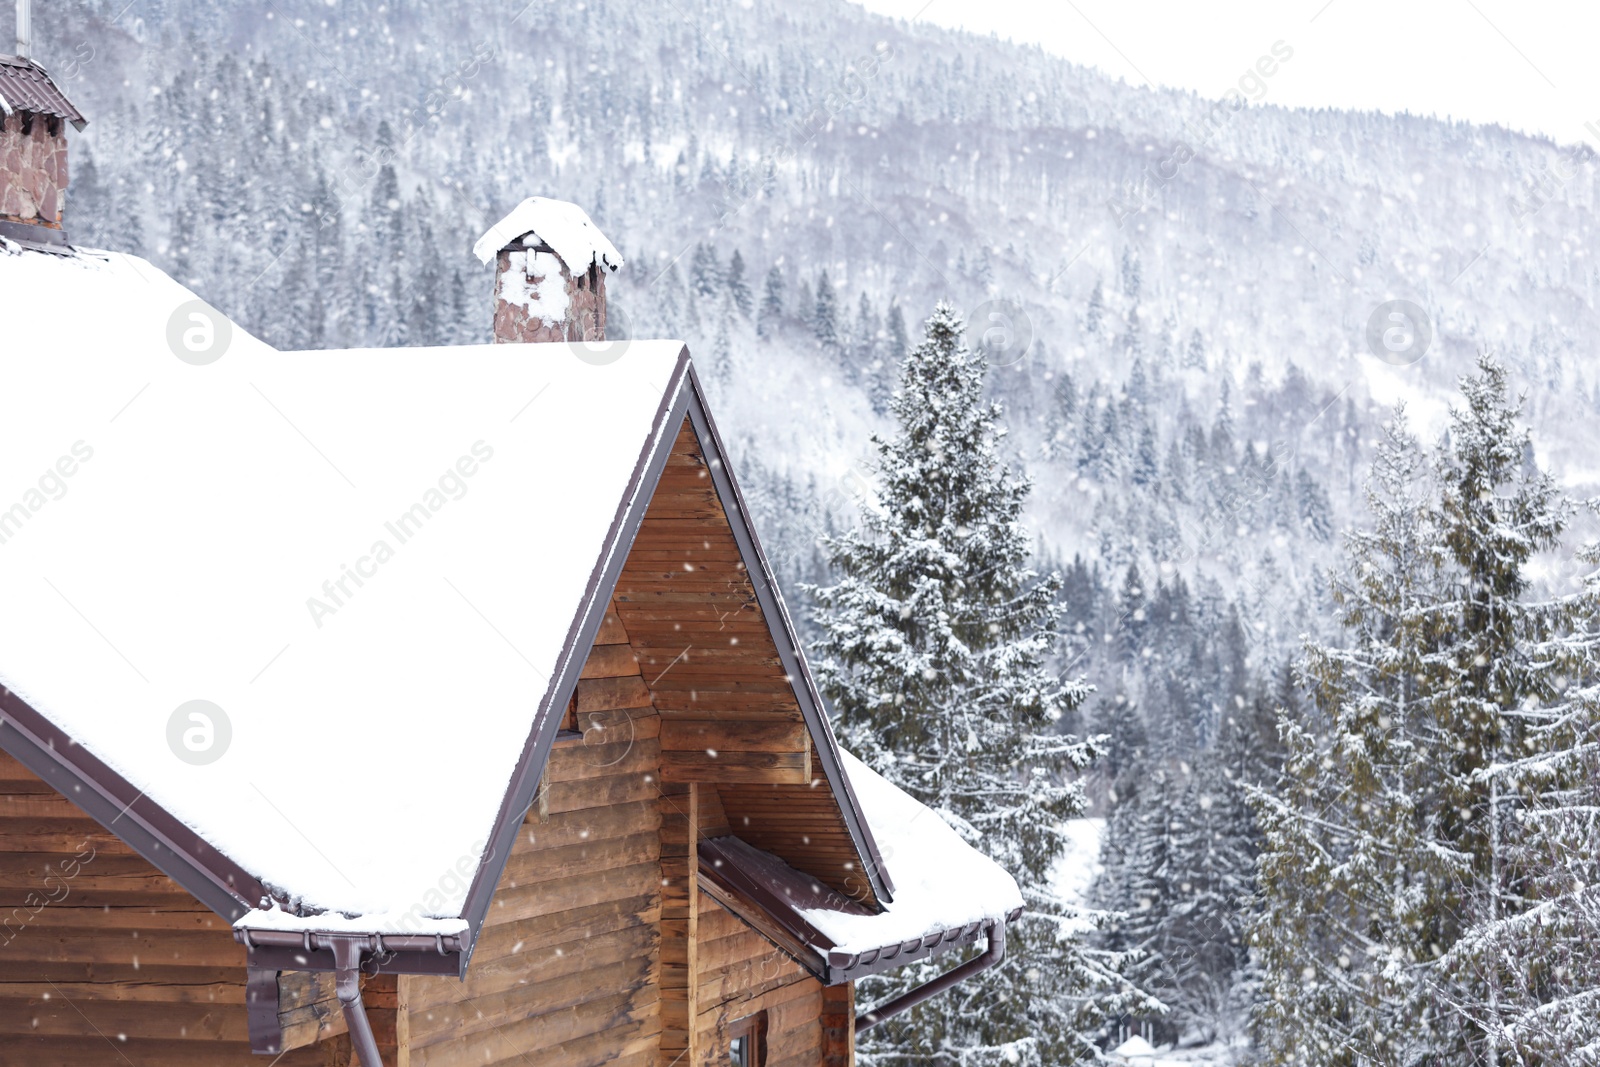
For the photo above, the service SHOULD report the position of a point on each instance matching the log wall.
(105, 960)
(587, 956)
(728, 710)
(567, 968)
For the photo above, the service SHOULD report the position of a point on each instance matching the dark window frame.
(752, 1030)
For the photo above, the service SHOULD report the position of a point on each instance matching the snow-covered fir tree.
(1179, 862)
(738, 287)
(1357, 884)
(1522, 972)
(825, 315)
(771, 303)
(1400, 851)
(933, 650)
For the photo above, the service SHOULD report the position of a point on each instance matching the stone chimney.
(33, 148)
(551, 264)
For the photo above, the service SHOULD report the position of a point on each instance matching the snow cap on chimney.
(565, 228)
(551, 266)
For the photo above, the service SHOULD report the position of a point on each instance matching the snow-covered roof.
(1135, 1046)
(946, 892)
(368, 560)
(941, 882)
(25, 86)
(565, 227)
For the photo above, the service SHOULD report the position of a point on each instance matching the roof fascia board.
(575, 652)
(113, 802)
(786, 641)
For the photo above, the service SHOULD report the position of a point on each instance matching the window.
(747, 1041)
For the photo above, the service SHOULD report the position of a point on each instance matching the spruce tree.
(738, 288)
(933, 651)
(771, 303)
(825, 316)
(865, 343)
(1311, 502)
(1357, 885)
(1520, 784)
(891, 353)
(705, 273)
(1094, 314)
(1407, 868)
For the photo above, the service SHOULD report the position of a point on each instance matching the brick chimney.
(551, 264)
(33, 145)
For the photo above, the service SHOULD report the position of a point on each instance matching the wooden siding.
(742, 973)
(586, 955)
(105, 960)
(714, 673)
(567, 967)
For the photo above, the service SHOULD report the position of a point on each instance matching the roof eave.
(848, 966)
(125, 811)
(775, 918)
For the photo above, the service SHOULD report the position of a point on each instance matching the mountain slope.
(1196, 398)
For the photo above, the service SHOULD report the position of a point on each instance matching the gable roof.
(24, 86)
(391, 708)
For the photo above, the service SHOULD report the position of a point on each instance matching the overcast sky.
(1527, 64)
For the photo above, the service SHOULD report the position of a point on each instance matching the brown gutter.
(379, 944)
(906, 1001)
(272, 951)
(287, 950)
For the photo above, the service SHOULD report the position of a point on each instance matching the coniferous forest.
(1270, 665)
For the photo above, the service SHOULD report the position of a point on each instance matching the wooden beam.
(736, 768)
(694, 924)
(734, 735)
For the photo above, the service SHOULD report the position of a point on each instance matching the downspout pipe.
(347, 984)
(930, 989)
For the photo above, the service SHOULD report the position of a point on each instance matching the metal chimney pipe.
(24, 27)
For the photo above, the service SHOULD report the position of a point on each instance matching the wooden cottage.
(424, 707)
